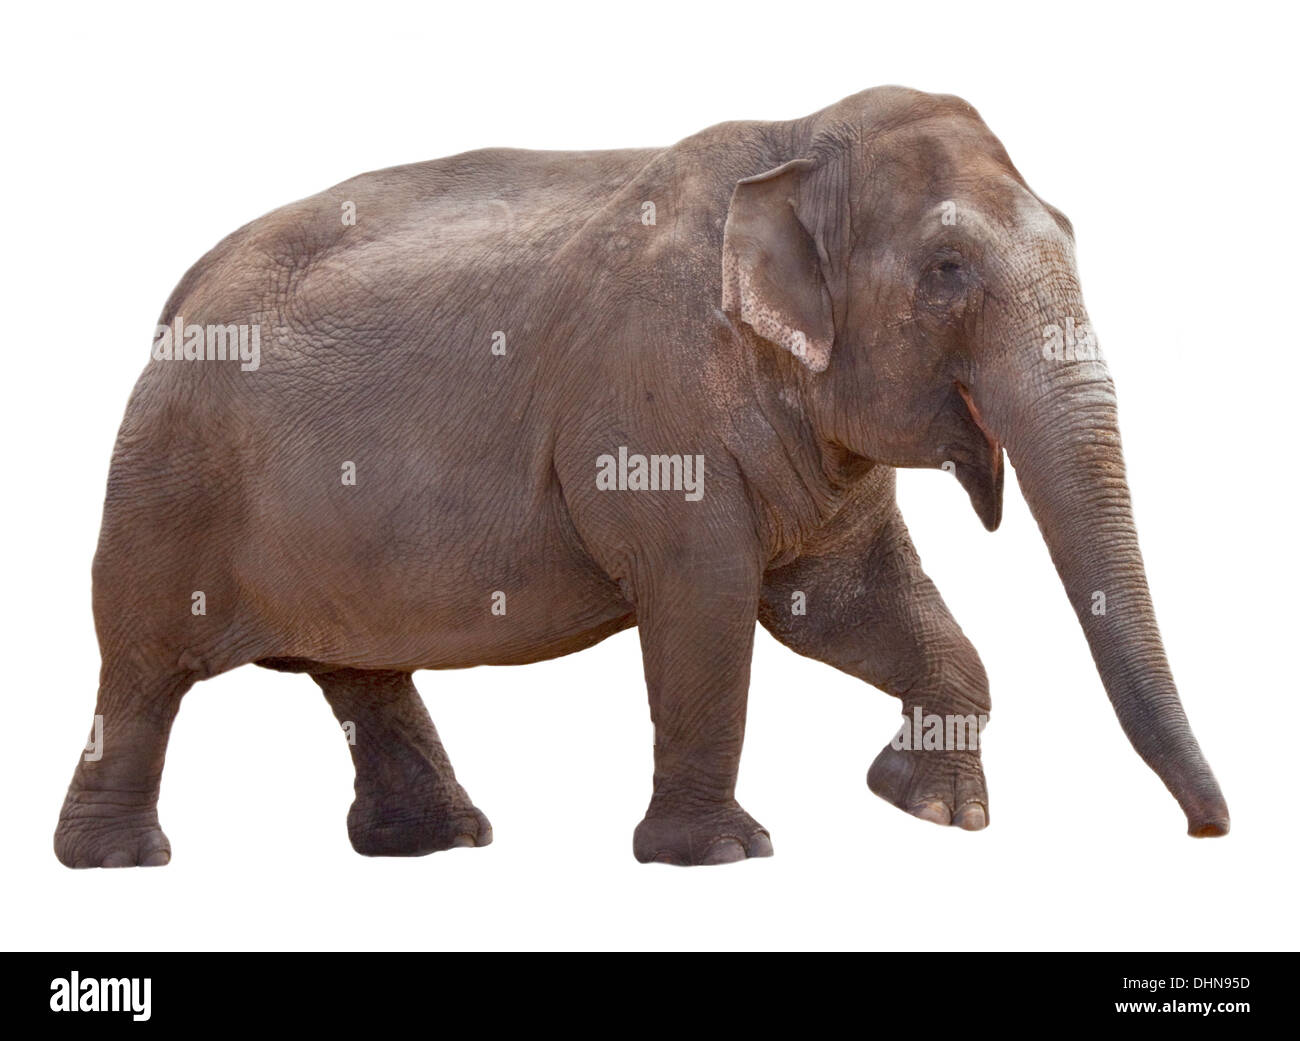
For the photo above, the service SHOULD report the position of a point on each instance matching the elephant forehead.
(994, 210)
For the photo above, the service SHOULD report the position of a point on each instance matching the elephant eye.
(945, 282)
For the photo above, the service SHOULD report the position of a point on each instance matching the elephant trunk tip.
(1207, 815)
(1208, 828)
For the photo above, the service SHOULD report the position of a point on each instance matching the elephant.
(493, 408)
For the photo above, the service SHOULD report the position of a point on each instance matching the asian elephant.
(493, 408)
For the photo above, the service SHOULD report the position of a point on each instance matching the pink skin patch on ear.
(772, 325)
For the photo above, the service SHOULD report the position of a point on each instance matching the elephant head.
(931, 308)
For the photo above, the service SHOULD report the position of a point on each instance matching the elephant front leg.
(697, 636)
(931, 768)
(871, 611)
(408, 801)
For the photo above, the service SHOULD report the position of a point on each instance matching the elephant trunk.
(1058, 420)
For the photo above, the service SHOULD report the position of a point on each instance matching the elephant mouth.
(983, 477)
(995, 446)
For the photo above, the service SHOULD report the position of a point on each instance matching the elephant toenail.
(726, 851)
(936, 812)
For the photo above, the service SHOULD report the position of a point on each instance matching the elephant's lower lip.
(995, 445)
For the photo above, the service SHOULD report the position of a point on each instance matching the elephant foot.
(945, 787)
(699, 833)
(395, 827)
(110, 829)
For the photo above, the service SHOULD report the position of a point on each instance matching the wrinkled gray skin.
(800, 314)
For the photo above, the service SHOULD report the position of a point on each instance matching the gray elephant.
(494, 408)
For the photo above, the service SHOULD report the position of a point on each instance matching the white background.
(137, 140)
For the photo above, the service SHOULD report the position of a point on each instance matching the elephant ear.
(775, 260)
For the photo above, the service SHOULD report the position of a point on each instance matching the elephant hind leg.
(408, 801)
(172, 607)
(110, 814)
